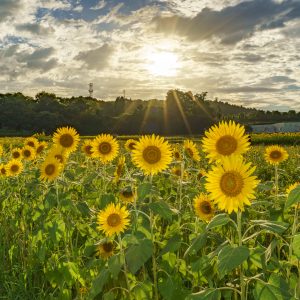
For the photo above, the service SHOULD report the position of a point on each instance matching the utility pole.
(91, 90)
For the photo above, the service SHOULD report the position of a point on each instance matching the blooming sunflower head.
(3, 171)
(128, 194)
(292, 187)
(152, 154)
(16, 153)
(105, 249)
(41, 147)
(225, 139)
(203, 207)
(28, 153)
(105, 147)
(31, 142)
(231, 184)
(58, 152)
(66, 137)
(114, 219)
(275, 154)
(191, 150)
(130, 144)
(201, 173)
(178, 172)
(50, 169)
(87, 148)
(119, 169)
(176, 153)
(14, 167)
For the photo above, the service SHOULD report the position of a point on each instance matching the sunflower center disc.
(226, 145)
(39, 149)
(275, 154)
(107, 247)
(199, 176)
(31, 144)
(27, 153)
(16, 155)
(189, 152)
(3, 171)
(205, 207)
(105, 148)
(178, 172)
(176, 155)
(113, 220)
(127, 194)
(88, 149)
(231, 184)
(14, 168)
(152, 154)
(66, 140)
(50, 169)
(131, 146)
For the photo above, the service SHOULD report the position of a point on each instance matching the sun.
(162, 63)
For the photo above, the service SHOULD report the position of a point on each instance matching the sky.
(243, 52)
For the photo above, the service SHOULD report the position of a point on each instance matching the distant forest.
(180, 113)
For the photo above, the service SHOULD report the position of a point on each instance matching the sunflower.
(31, 142)
(59, 153)
(152, 154)
(28, 153)
(203, 207)
(191, 150)
(41, 147)
(3, 171)
(105, 147)
(225, 139)
(201, 173)
(14, 167)
(230, 184)
(130, 144)
(66, 137)
(176, 153)
(275, 154)
(177, 172)
(128, 195)
(87, 148)
(50, 169)
(16, 153)
(1, 149)
(292, 187)
(105, 249)
(113, 219)
(119, 168)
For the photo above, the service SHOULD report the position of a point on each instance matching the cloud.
(34, 28)
(231, 24)
(8, 8)
(96, 58)
(100, 5)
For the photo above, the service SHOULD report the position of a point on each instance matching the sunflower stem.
(122, 252)
(239, 226)
(294, 230)
(276, 183)
(154, 266)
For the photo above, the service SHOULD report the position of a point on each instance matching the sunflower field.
(147, 218)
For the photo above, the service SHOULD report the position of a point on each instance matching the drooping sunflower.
(28, 153)
(87, 148)
(105, 147)
(130, 144)
(230, 184)
(50, 169)
(128, 194)
(66, 137)
(31, 142)
(14, 167)
(41, 147)
(204, 207)
(152, 154)
(105, 249)
(191, 150)
(113, 219)
(60, 153)
(119, 169)
(3, 171)
(16, 153)
(224, 139)
(275, 154)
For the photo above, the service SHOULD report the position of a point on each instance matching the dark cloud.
(97, 58)
(34, 28)
(231, 24)
(10, 51)
(247, 89)
(38, 59)
(8, 8)
(249, 57)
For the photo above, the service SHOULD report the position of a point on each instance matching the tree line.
(181, 113)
